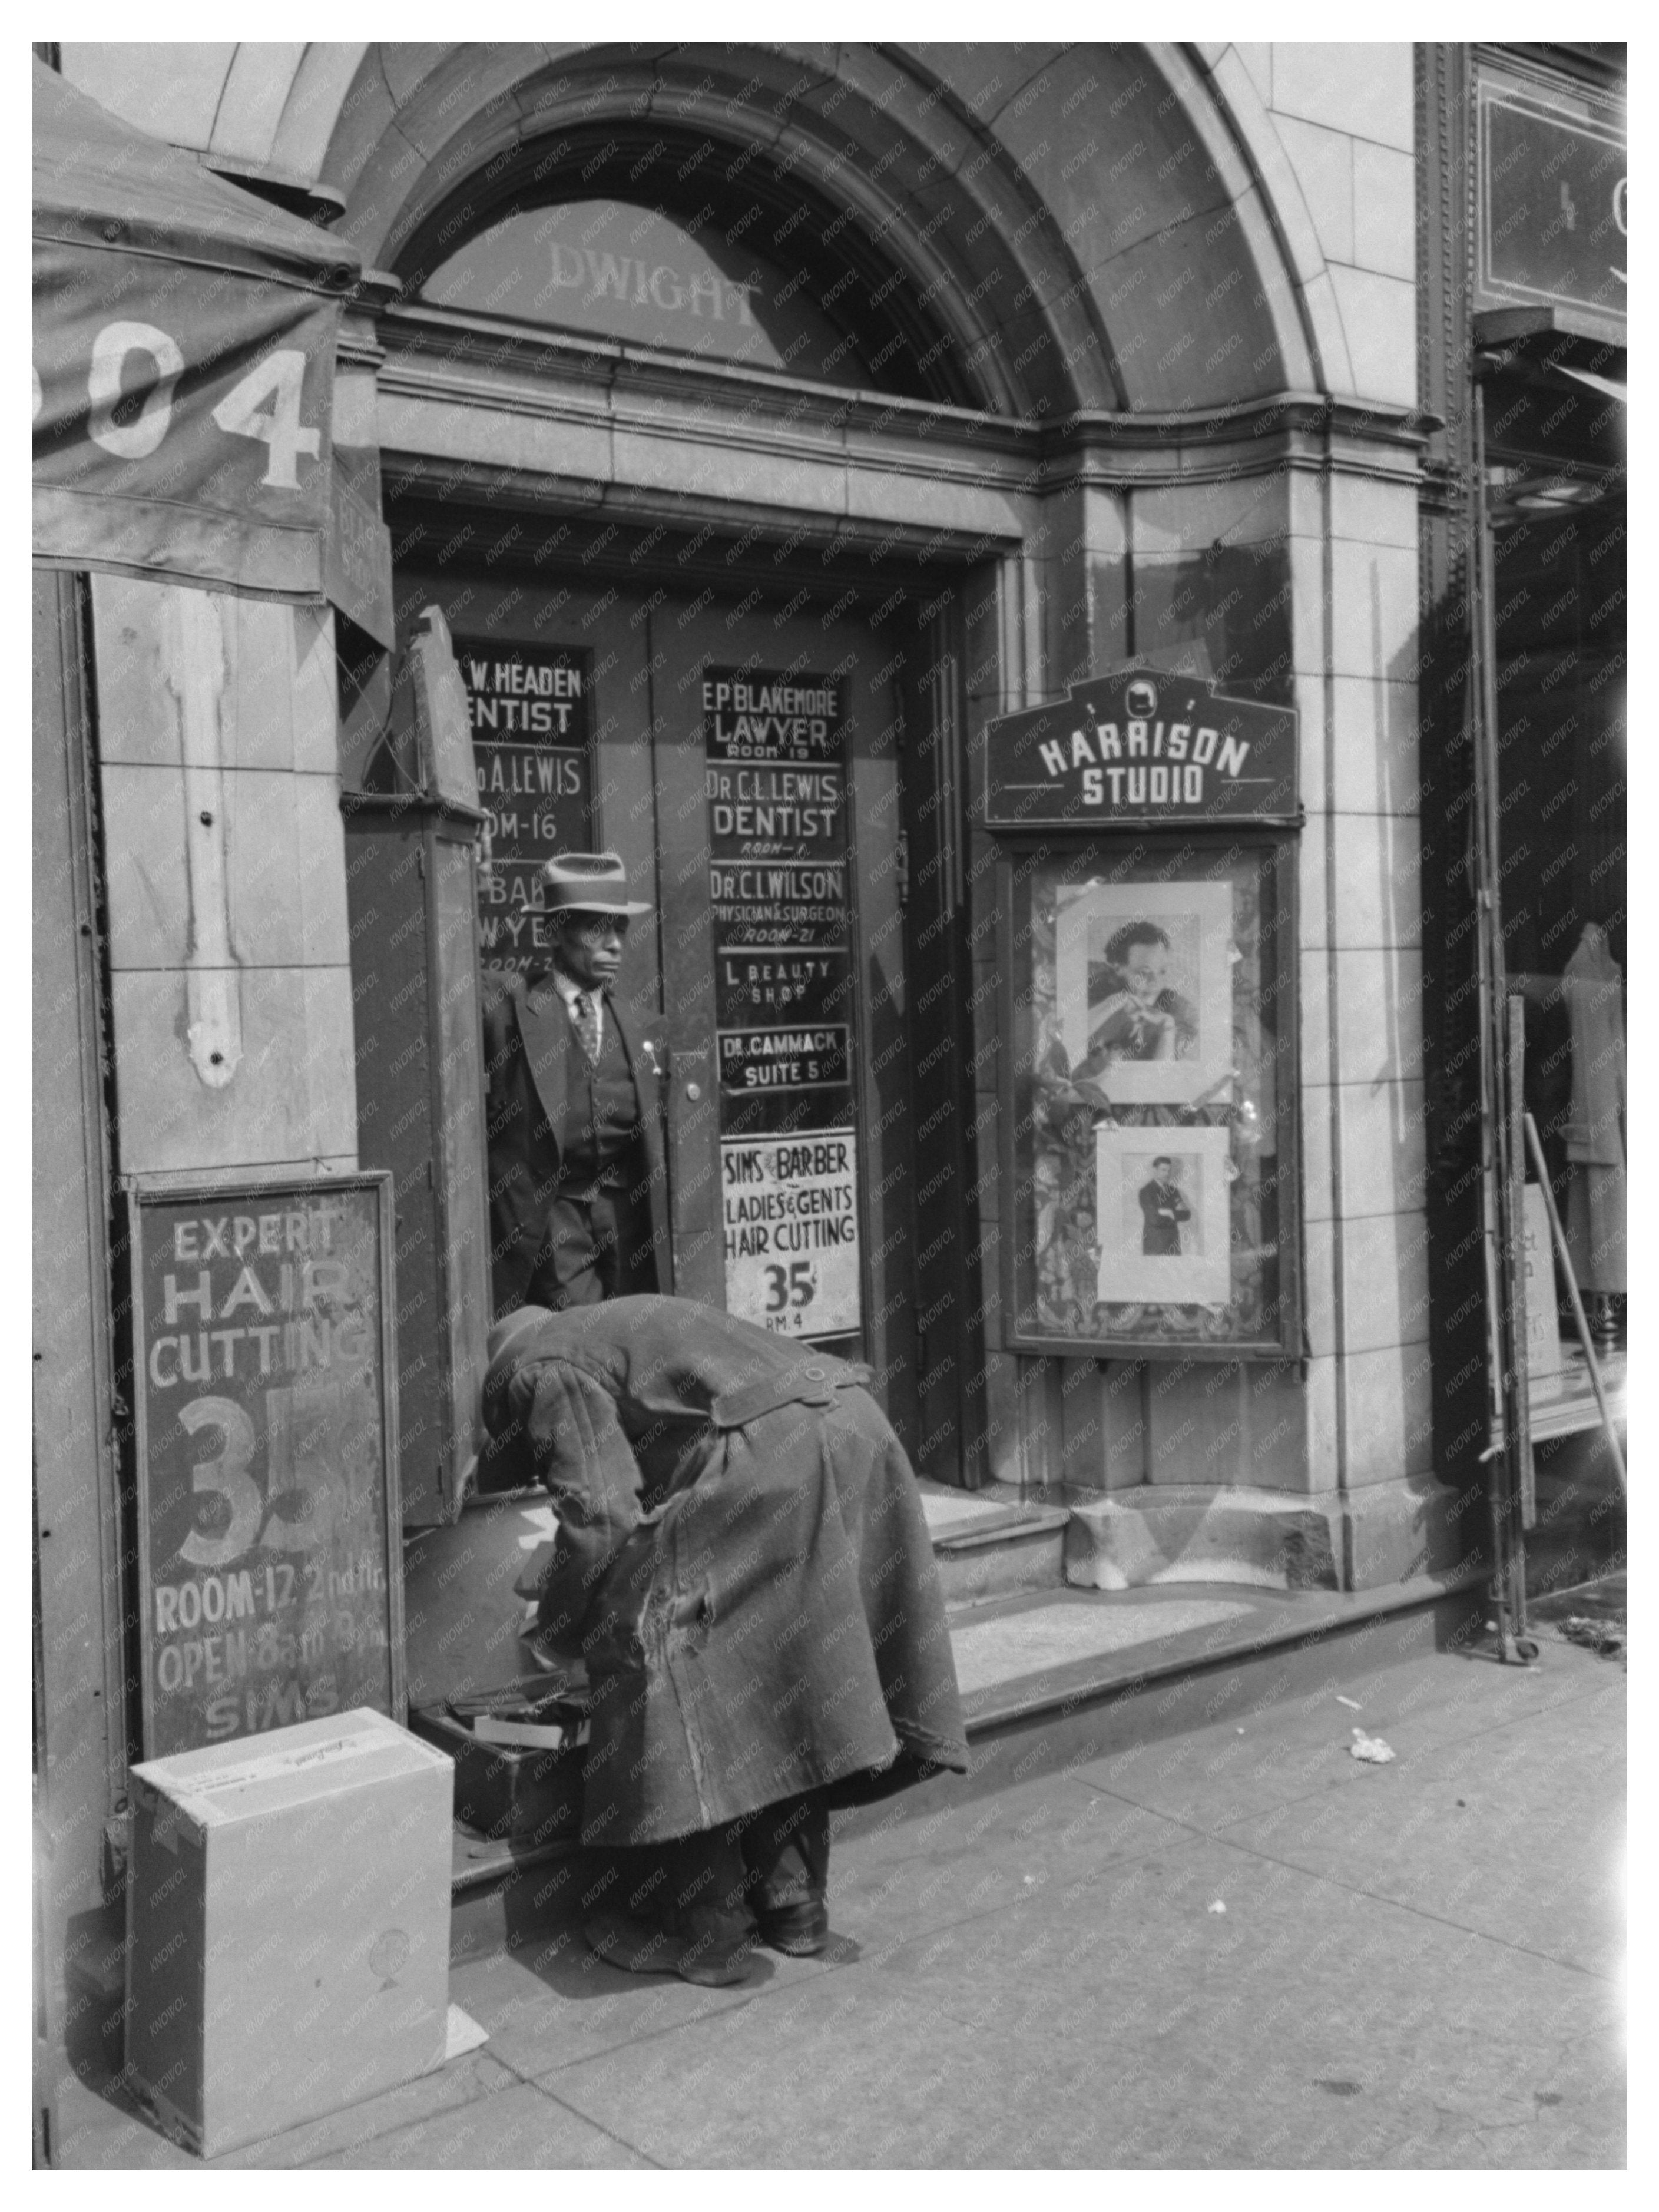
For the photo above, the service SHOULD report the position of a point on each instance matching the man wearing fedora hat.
(578, 1198)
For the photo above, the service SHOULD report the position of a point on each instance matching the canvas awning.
(184, 338)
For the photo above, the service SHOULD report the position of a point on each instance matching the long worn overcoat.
(742, 1558)
(526, 1057)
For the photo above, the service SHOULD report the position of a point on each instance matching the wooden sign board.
(269, 1567)
(1140, 747)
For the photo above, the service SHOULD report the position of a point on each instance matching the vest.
(601, 1115)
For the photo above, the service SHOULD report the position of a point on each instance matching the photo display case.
(1148, 1101)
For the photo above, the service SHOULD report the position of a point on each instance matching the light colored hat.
(588, 882)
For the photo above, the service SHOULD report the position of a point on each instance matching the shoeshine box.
(288, 1926)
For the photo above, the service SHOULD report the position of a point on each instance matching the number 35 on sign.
(790, 1222)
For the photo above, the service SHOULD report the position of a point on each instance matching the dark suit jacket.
(525, 1057)
(1161, 1236)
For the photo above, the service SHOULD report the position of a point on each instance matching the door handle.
(695, 1055)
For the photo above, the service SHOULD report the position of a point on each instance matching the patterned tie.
(587, 1025)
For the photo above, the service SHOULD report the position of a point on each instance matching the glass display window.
(1148, 1097)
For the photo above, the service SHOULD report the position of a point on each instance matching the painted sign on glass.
(775, 781)
(610, 268)
(1554, 204)
(531, 711)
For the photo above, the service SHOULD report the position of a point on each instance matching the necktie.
(587, 1025)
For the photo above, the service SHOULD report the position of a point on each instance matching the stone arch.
(1283, 208)
(1093, 239)
(1010, 177)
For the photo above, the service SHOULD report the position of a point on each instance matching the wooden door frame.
(934, 775)
(82, 1694)
(950, 1349)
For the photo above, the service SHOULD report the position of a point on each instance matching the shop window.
(1560, 632)
(1560, 625)
(1152, 1131)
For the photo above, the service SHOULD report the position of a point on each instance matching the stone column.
(1370, 1437)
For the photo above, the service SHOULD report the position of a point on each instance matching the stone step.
(1192, 1532)
(1057, 1677)
(992, 1544)
(1053, 1679)
(1052, 1652)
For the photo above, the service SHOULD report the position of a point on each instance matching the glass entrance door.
(743, 754)
(776, 744)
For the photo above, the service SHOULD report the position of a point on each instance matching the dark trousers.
(776, 1857)
(593, 1248)
(785, 1852)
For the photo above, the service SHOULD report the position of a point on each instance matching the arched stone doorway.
(1092, 239)
(1065, 300)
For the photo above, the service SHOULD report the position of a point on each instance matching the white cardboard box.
(288, 1924)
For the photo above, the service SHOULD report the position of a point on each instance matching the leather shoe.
(716, 1949)
(638, 1946)
(800, 1931)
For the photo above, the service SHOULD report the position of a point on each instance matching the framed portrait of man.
(1144, 988)
(1161, 1216)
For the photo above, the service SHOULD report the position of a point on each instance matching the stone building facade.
(1142, 375)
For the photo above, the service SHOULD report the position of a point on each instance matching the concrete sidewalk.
(1419, 1964)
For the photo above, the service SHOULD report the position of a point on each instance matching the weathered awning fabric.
(183, 362)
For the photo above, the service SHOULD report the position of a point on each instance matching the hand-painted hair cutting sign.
(1140, 746)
